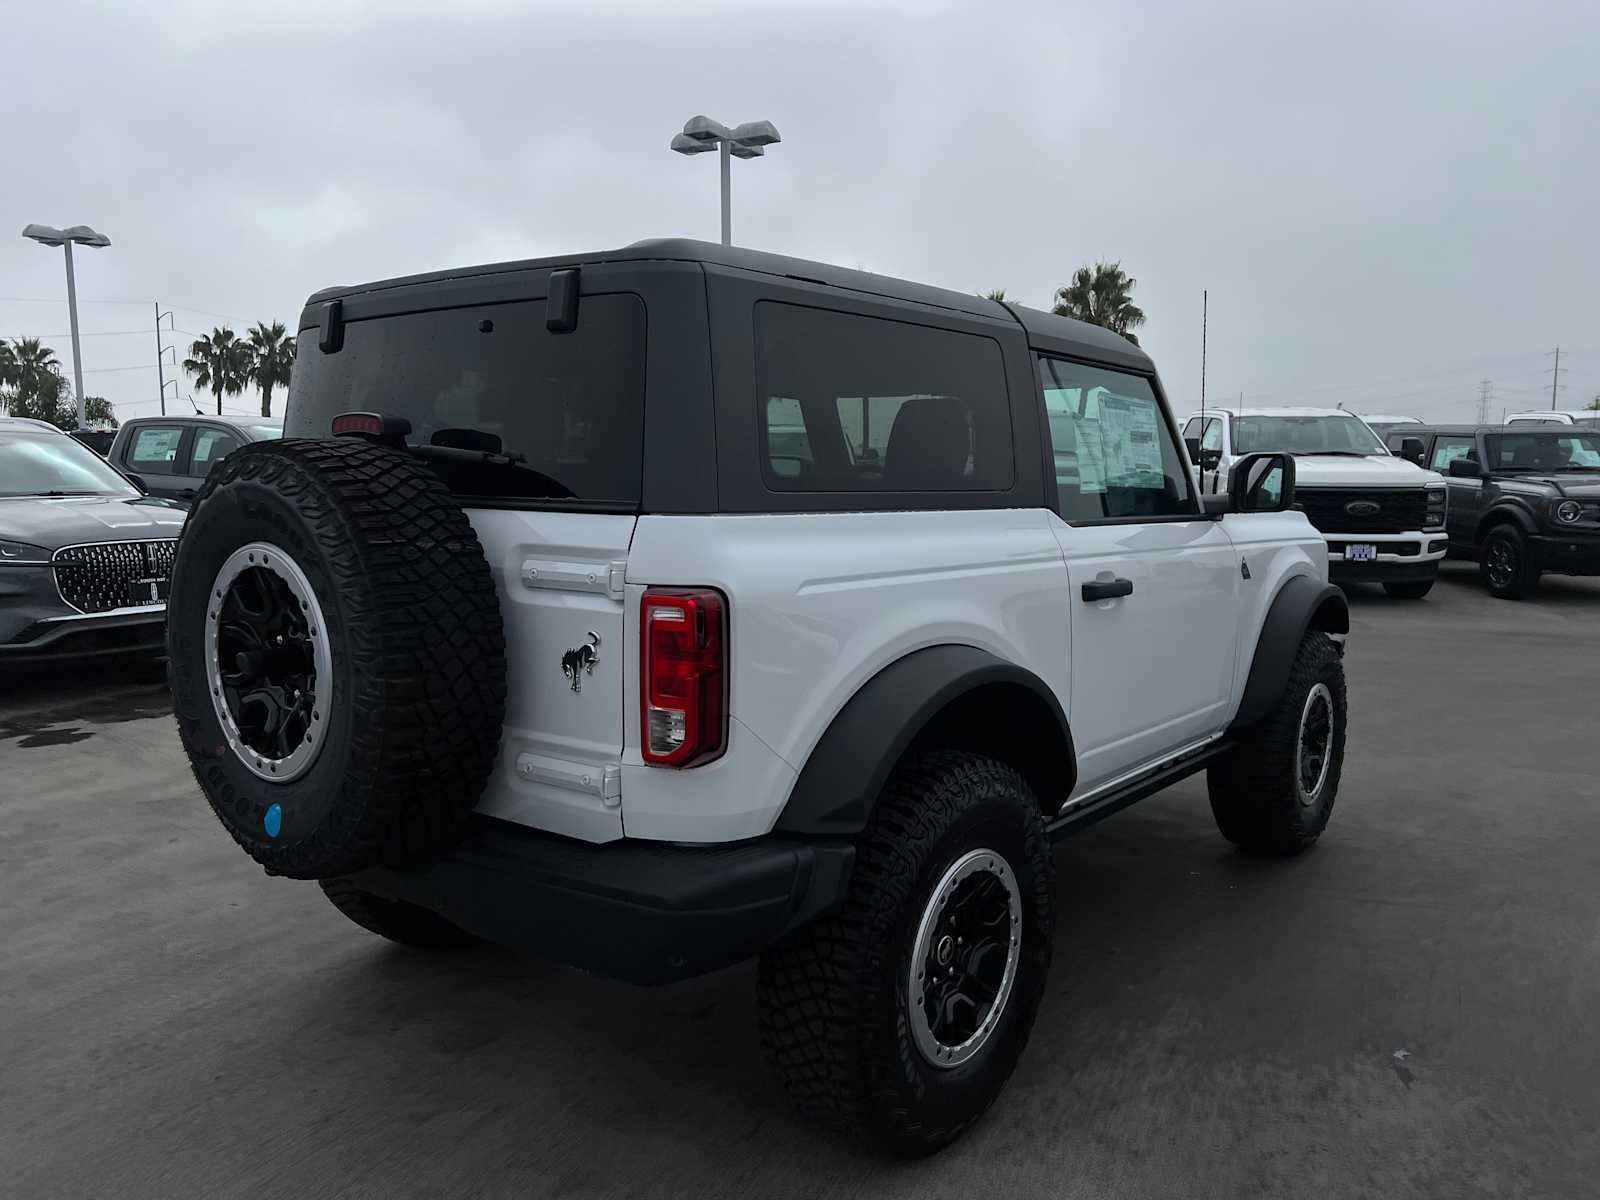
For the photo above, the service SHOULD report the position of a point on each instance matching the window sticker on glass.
(1132, 452)
(1091, 457)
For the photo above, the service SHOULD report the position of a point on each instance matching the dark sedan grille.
(111, 575)
(1396, 512)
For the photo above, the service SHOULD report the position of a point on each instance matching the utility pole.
(1554, 379)
(161, 374)
(1483, 403)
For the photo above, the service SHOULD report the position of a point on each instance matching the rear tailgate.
(560, 576)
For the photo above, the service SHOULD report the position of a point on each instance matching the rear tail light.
(683, 676)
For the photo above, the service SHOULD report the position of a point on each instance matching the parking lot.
(1408, 1010)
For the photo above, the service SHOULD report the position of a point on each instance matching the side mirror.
(137, 481)
(1465, 468)
(1209, 459)
(1262, 483)
(1411, 448)
(1192, 445)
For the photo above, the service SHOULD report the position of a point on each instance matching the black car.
(172, 455)
(84, 554)
(1524, 499)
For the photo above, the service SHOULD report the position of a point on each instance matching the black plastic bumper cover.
(646, 912)
(1382, 572)
(1571, 555)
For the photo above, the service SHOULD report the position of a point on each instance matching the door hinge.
(611, 787)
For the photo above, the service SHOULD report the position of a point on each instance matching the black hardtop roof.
(1528, 428)
(1047, 331)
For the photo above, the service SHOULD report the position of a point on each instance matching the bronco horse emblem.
(580, 661)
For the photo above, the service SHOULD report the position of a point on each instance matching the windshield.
(47, 464)
(1304, 435)
(1548, 449)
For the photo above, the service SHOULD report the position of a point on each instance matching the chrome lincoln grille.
(1374, 510)
(107, 575)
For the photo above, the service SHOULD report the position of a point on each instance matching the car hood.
(1374, 470)
(53, 522)
(1580, 485)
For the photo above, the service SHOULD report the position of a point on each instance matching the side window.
(1447, 449)
(1213, 435)
(863, 404)
(210, 445)
(1124, 462)
(1192, 428)
(155, 450)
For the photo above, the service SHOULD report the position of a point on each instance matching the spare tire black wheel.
(337, 660)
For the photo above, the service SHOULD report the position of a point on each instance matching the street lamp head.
(684, 144)
(47, 235)
(740, 151)
(704, 129)
(756, 133)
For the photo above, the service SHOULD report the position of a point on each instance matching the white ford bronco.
(656, 609)
(1383, 516)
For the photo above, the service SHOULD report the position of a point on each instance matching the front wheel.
(900, 1017)
(1506, 566)
(1409, 591)
(1273, 793)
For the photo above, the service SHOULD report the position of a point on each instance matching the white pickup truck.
(799, 628)
(1383, 516)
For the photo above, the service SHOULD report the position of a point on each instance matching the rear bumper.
(1567, 555)
(646, 912)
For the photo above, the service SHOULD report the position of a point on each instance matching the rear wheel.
(394, 919)
(1409, 591)
(900, 1017)
(1507, 568)
(1274, 792)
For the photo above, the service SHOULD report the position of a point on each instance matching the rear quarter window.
(851, 403)
(499, 406)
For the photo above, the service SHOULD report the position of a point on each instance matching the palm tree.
(271, 360)
(1102, 296)
(996, 294)
(34, 375)
(220, 362)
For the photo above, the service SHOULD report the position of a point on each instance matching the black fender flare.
(1302, 604)
(846, 771)
(1505, 513)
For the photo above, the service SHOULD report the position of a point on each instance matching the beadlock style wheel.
(1313, 742)
(965, 958)
(268, 665)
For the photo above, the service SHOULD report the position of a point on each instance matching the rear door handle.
(1107, 589)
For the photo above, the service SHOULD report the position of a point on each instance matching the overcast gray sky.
(1388, 202)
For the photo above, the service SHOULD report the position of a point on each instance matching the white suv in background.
(1383, 517)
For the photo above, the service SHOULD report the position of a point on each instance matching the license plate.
(1360, 552)
(143, 592)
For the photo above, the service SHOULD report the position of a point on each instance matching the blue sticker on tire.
(273, 820)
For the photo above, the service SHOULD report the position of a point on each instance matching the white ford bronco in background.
(1382, 515)
(655, 609)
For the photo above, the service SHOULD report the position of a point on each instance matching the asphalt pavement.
(1408, 1010)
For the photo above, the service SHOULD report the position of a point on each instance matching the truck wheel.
(394, 919)
(900, 1016)
(1409, 591)
(1506, 566)
(1273, 793)
(337, 660)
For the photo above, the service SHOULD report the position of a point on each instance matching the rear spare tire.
(337, 660)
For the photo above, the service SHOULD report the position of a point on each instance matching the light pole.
(45, 235)
(702, 134)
